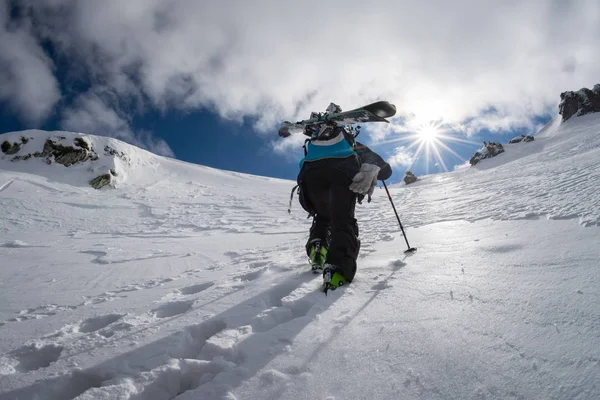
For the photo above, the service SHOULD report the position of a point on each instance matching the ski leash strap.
(292, 198)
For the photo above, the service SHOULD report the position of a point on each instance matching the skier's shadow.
(377, 290)
(187, 343)
(319, 350)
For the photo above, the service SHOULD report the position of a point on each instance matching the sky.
(209, 82)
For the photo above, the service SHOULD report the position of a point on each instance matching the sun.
(428, 133)
(430, 139)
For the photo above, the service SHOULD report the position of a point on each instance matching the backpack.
(326, 132)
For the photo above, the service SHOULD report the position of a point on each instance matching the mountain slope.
(188, 282)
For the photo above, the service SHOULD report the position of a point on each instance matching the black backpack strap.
(292, 198)
(304, 147)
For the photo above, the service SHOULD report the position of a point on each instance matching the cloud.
(402, 157)
(27, 79)
(289, 147)
(280, 60)
(91, 114)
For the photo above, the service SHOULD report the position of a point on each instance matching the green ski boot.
(331, 279)
(317, 256)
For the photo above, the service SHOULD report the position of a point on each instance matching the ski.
(375, 112)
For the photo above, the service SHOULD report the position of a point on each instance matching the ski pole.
(410, 249)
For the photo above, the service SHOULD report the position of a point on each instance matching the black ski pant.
(325, 192)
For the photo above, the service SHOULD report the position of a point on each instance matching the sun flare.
(429, 142)
(428, 133)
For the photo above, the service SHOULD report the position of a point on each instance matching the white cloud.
(27, 82)
(402, 157)
(280, 60)
(290, 146)
(90, 114)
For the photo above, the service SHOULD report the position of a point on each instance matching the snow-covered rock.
(91, 160)
(521, 138)
(581, 102)
(489, 150)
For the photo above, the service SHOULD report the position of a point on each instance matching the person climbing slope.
(335, 174)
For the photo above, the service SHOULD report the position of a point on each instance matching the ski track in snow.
(194, 285)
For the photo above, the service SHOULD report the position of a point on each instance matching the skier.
(335, 173)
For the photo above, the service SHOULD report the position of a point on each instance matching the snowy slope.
(186, 282)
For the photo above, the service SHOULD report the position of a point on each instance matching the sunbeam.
(428, 133)
(430, 140)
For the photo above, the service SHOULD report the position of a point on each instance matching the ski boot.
(317, 256)
(331, 279)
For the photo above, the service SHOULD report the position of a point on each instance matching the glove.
(364, 182)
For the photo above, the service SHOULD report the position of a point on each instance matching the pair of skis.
(375, 112)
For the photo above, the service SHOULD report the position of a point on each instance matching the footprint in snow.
(40, 312)
(96, 323)
(251, 276)
(272, 376)
(35, 356)
(381, 286)
(193, 289)
(172, 309)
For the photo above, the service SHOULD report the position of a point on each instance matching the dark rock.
(101, 181)
(82, 143)
(10, 148)
(490, 149)
(409, 177)
(27, 156)
(109, 151)
(65, 155)
(584, 101)
(521, 138)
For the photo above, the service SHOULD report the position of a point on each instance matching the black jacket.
(368, 156)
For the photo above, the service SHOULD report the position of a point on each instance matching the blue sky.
(203, 137)
(209, 83)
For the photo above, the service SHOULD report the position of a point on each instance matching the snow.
(186, 282)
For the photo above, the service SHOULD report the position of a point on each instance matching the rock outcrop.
(57, 150)
(489, 150)
(9, 148)
(581, 102)
(409, 177)
(521, 138)
(59, 153)
(66, 155)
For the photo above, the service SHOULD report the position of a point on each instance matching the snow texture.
(186, 282)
